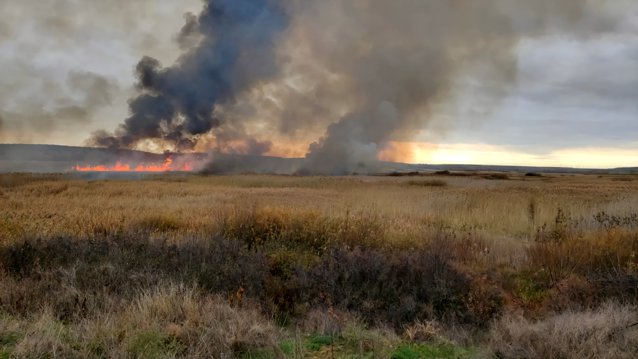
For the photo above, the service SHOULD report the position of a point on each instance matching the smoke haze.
(343, 77)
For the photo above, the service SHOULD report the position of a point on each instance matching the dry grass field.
(448, 266)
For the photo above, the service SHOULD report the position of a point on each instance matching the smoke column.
(346, 76)
(234, 50)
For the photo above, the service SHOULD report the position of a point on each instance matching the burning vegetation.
(167, 166)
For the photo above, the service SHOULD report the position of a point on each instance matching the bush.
(70, 275)
(301, 231)
(442, 351)
(76, 278)
(396, 287)
(429, 183)
(160, 224)
(169, 321)
(601, 333)
(605, 258)
(496, 176)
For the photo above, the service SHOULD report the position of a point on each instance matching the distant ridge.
(56, 158)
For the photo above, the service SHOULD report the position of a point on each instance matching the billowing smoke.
(234, 49)
(400, 60)
(344, 76)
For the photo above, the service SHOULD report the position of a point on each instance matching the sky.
(68, 70)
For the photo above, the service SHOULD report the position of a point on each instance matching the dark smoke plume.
(235, 51)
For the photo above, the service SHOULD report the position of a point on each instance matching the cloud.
(68, 105)
(66, 62)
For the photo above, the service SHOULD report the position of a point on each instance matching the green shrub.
(152, 345)
(316, 342)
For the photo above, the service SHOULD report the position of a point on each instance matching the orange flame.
(167, 166)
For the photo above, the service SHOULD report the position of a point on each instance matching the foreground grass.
(290, 267)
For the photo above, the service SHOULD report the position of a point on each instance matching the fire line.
(167, 166)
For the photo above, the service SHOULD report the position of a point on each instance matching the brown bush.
(423, 332)
(602, 257)
(328, 321)
(572, 293)
(603, 333)
(64, 274)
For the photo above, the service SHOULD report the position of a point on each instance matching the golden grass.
(508, 211)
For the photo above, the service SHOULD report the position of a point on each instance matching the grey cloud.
(65, 61)
(71, 104)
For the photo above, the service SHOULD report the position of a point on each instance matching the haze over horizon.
(474, 82)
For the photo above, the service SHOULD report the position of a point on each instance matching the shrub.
(601, 333)
(442, 351)
(76, 276)
(316, 342)
(301, 231)
(609, 221)
(396, 287)
(179, 320)
(496, 176)
(428, 183)
(603, 256)
(423, 332)
(160, 224)
(169, 321)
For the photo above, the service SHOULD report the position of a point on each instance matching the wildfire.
(167, 166)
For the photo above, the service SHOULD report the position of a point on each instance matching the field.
(465, 265)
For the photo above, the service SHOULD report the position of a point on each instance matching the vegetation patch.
(151, 345)
(427, 183)
(434, 351)
(275, 267)
(316, 342)
(159, 224)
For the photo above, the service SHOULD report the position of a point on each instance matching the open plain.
(448, 265)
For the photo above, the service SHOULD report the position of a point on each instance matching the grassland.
(483, 265)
